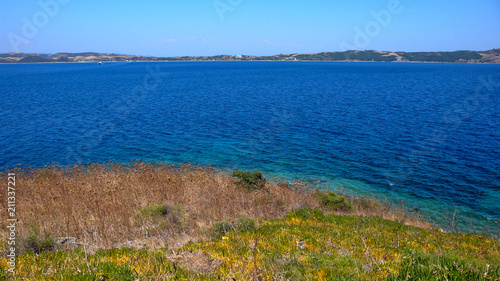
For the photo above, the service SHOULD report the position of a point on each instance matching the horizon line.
(112, 53)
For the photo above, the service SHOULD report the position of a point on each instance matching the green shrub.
(334, 201)
(36, 244)
(250, 180)
(222, 228)
(154, 210)
(245, 224)
(163, 217)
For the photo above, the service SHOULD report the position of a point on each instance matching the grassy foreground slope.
(154, 221)
(305, 245)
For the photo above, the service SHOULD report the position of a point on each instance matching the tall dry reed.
(100, 204)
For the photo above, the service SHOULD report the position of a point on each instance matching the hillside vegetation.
(154, 221)
(490, 56)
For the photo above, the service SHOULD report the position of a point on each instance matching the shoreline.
(345, 61)
(441, 213)
(128, 216)
(457, 56)
(347, 187)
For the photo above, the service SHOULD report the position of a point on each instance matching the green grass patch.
(37, 243)
(333, 201)
(420, 266)
(162, 218)
(222, 228)
(156, 210)
(251, 180)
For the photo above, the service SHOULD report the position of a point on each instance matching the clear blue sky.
(253, 27)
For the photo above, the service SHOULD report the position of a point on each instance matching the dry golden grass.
(100, 204)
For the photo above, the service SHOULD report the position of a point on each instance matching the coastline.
(344, 61)
(461, 56)
(128, 216)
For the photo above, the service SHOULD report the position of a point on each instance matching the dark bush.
(38, 244)
(154, 210)
(334, 201)
(250, 180)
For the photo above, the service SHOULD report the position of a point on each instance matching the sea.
(425, 134)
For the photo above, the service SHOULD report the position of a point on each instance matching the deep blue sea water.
(428, 134)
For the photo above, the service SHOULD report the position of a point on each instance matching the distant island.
(490, 56)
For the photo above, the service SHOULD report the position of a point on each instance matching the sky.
(246, 27)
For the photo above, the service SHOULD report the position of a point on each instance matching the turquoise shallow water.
(427, 134)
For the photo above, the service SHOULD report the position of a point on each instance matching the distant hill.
(490, 56)
(68, 57)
